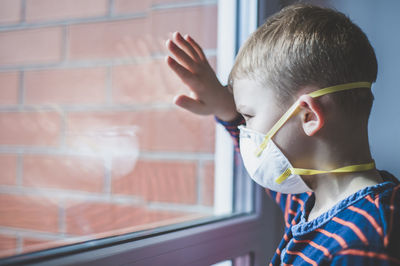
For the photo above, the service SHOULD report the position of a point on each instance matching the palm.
(208, 96)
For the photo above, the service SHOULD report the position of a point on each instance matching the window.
(98, 164)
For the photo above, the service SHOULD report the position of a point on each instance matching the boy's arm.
(208, 96)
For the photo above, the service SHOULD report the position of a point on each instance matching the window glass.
(244, 260)
(91, 145)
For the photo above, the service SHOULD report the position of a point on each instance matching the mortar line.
(143, 155)
(88, 108)
(135, 60)
(62, 216)
(109, 86)
(157, 7)
(57, 23)
(163, 206)
(12, 231)
(19, 243)
(21, 87)
(68, 194)
(23, 11)
(63, 129)
(65, 41)
(111, 8)
(19, 173)
(102, 18)
(200, 181)
(107, 175)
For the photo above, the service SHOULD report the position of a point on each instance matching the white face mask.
(271, 164)
(269, 167)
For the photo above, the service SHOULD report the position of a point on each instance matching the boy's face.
(257, 104)
(262, 110)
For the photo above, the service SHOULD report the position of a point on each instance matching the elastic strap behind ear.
(292, 110)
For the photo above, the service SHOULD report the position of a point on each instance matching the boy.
(301, 86)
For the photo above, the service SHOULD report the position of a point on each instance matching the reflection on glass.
(90, 143)
(244, 260)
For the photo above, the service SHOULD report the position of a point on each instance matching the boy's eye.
(246, 116)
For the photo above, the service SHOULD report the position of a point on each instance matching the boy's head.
(301, 49)
(306, 45)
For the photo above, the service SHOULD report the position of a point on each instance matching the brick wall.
(90, 144)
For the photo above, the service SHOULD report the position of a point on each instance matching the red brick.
(8, 166)
(208, 183)
(151, 82)
(198, 22)
(85, 218)
(10, 11)
(8, 245)
(129, 6)
(29, 212)
(65, 86)
(63, 172)
(30, 46)
(161, 181)
(146, 83)
(161, 130)
(119, 39)
(30, 244)
(166, 2)
(40, 10)
(9, 87)
(34, 244)
(30, 128)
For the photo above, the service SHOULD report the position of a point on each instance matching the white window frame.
(214, 240)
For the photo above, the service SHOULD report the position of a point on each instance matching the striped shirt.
(362, 229)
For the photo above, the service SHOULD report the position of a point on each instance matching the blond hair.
(307, 45)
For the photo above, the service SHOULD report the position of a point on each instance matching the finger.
(196, 46)
(190, 104)
(183, 44)
(185, 75)
(182, 57)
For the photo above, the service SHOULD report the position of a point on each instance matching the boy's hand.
(208, 96)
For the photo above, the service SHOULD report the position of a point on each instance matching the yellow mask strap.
(346, 169)
(294, 108)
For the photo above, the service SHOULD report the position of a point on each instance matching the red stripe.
(299, 201)
(368, 197)
(389, 231)
(286, 237)
(338, 238)
(377, 201)
(353, 227)
(370, 254)
(294, 215)
(268, 192)
(287, 212)
(304, 257)
(278, 198)
(312, 243)
(369, 218)
(278, 251)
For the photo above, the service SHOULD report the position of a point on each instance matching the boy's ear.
(312, 117)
